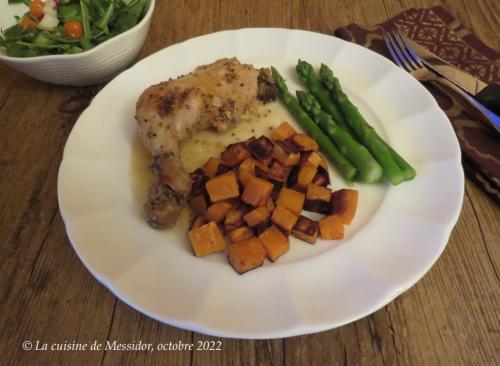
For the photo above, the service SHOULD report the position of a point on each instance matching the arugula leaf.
(70, 12)
(25, 2)
(104, 20)
(130, 15)
(87, 33)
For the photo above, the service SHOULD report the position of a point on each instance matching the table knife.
(486, 94)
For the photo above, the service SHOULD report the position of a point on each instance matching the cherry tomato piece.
(73, 29)
(27, 22)
(36, 9)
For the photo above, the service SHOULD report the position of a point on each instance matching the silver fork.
(406, 57)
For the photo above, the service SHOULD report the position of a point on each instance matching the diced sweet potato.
(276, 189)
(261, 173)
(282, 132)
(304, 142)
(279, 172)
(275, 242)
(257, 216)
(323, 163)
(310, 158)
(292, 177)
(241, 233)
(286, 153)
(234, 219)
(263, 226)
(197, 222)
(317, 199)
(270, 205)
(305, 176)
(206, 239)
(234, 154)
(261, 148)
(322, 178)
(198, 180)
(214, 167)
(291, 199)
(198, 204)
(246, 254)
(306, 229)
(344, 203)
(247, 169)
(284, 219)
(257, 191)
(217, 212)
(223, 187)
(331, 228)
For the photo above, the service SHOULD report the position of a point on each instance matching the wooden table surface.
(451, 317)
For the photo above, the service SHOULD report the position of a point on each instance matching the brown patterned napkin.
(441, 33)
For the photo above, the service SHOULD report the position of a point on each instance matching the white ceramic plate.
(398, 234)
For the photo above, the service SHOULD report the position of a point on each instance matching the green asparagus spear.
(307, 75)
(329, 149)
(369, 170)
(395, 167)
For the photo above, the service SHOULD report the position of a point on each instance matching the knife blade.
(486, 94)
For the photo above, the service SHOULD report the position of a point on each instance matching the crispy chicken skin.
(218, 96)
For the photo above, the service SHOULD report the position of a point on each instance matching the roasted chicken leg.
(218, 96)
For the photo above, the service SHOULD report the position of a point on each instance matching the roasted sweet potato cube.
(246, 254)
(305, 176)
(344, 203)
(241, 233)
(282, 132)
(197, 222)
(210, 167)
(284, 219)
(206, 239)
(270, 205)
(286, 153)
(304, 142)
(263, 226)
(305, 229)
(198, 180)
(323, 163)
(317, 199)
(276, 189)
(256, 216)
(261, 148)
(247, 169)
(310, 158)
(217, 211)
(261, 173)
(331, 228)
(257, 191)
(275, 242)
(234, 219)
(291, 199)
(234, 154)
(292, 177)
(223, 187)
(322, 178)
(279, 172)
(198, 204)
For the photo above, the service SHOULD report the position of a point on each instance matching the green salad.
(54, 27)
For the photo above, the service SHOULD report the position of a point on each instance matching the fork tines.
(402, 53)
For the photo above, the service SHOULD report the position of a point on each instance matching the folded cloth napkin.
(441, 33)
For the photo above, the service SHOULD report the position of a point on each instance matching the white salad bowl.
(89, 67)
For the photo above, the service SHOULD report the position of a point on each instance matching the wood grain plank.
(487, 214)
(59, 302)
(130, 326)
(450, 317)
